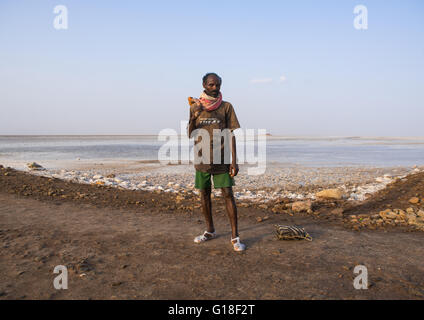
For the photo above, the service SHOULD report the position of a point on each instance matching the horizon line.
(267, 134)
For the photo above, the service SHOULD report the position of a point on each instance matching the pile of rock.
(412, 216)
(286, 206)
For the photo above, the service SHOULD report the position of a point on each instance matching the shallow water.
(304, 151)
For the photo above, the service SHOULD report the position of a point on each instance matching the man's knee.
(227, 192)
(205, 192)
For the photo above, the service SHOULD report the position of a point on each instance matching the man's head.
(212, 84)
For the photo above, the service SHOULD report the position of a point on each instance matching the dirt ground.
(121, 244)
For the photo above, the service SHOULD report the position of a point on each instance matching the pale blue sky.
(127, 67)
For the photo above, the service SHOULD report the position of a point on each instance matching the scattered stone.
(410, 210)
(300, 206)
(414, 200)
(337, 211)
(330, 194)
(388, 214)
(179, 199)
(84, 265)
(117, 283)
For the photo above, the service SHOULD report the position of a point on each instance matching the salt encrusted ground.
(288, 181)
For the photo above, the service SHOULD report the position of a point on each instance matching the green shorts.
(221, 180)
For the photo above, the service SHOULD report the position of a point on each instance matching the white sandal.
(203, 237)
(238, 246)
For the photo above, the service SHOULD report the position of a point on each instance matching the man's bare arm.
(234, 166)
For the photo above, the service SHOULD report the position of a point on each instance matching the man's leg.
(230, 204)
(205, 195)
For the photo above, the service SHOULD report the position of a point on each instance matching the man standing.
(213, 115)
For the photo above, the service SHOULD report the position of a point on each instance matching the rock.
(300, 206)
(420, 213)
(116, 283)
(330, 194)
(259, 219)
(388, 214)
(263, 206)
(337, 211)
(110, 175)
(414, 200)
(400, 212)
(35, 166)
(410, 210)
(411, 218)
(179, 198)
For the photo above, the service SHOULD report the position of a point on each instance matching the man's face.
(212, 86)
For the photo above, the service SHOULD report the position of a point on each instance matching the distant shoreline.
(271, 136)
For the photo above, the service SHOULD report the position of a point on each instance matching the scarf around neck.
(210, 103)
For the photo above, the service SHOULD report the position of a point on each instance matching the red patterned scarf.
(210, 103)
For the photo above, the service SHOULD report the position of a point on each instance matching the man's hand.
(197, 105)
(197, 108)
(234, 169)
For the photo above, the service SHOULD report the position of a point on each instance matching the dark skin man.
(212, 87)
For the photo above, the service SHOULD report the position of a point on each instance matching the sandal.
(203, 237)
(238, 246)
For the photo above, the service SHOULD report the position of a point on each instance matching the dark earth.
(123, 244)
